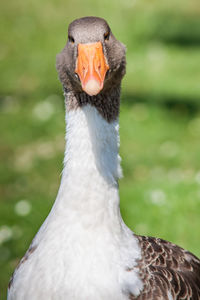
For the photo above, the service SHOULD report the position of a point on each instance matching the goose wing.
(168, 271)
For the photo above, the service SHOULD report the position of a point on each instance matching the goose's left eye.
(106, 36)
(71, 39)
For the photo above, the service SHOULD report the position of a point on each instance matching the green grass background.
(159, 122)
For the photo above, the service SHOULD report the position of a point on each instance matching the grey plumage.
(90, 30)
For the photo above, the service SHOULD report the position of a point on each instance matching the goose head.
(93, 60)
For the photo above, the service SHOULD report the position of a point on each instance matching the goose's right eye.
(106, 36)
(71, 39)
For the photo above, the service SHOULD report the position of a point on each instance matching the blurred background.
(159, 122)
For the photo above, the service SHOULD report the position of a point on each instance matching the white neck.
(91, 167)
(91, 247)
(88, 202)
(92, 144)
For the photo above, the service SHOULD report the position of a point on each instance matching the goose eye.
(71, 39)
(106, 36)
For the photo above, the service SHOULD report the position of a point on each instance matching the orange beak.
(91, 67)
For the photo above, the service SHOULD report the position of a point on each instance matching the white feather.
(83, 249)
(169, 296)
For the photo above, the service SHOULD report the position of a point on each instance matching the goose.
(84, 250)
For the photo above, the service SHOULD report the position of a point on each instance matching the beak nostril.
(84, 70)
(99, 68)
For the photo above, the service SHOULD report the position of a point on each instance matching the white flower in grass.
(22, 208)
(45, 150)
(5, 234)
(158, 197)
(43, 110)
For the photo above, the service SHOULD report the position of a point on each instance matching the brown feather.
(165, 267)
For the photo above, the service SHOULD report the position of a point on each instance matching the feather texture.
(166, 269)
